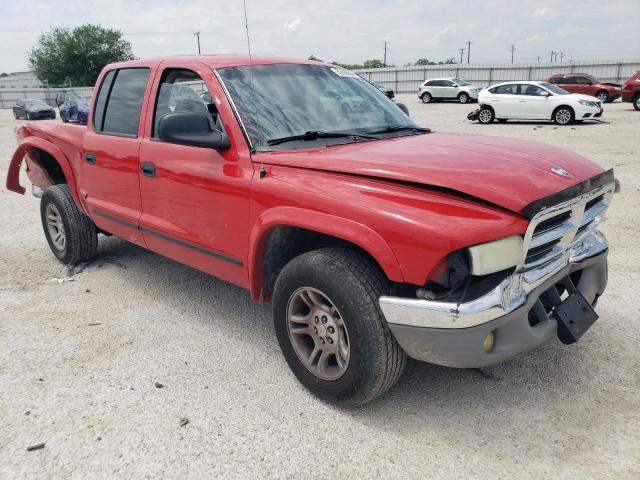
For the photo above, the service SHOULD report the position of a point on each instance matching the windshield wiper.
(315, 134)
(400, 128)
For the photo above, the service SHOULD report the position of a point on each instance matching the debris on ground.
(184, 421)
(60, 281)
(93, 324)
(38, 446)
(77, 268)
(483, 373)
(159, 385)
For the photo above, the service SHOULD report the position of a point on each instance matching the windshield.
(462, 83)
(594, 79)
(35, 103)
(556, 90)
(284, 100)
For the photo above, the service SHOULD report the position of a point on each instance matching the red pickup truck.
(372, 237)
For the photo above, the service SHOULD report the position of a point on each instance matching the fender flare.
(13, 173)
(339, 227)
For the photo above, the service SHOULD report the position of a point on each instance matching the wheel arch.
(562, 105)
(48, 164)
(282, 233)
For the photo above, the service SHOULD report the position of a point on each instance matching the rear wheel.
(636, 102)
(330, 327)
(563, 115)
(15, 115)
(426, 97)
(486, 115)
(71, 235)
(463, 98)
(63, 117)
(603, 96)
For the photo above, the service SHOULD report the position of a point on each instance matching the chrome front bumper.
(509, 295)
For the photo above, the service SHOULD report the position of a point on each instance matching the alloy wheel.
(464, 98)
(563, 116)
(55, 227)
(485, 116)
(637, 103)
(318, 333)
(602, 96)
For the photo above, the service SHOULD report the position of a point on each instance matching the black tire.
(404, 108)
(27, 116)
(463, 97)
(636, 102)
(486, 115)
(603, 96)
(15, 115)
(563, 115)
(80, 231)
(53, 115)
(63, 117)
(426, 97)
(354, 285)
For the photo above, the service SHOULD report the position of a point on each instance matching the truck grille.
(554, 230)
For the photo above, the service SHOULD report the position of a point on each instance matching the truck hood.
(507, 172)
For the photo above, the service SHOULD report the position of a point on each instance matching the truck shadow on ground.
(423, 391)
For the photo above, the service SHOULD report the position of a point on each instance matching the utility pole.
(561, 57)
(513, 49)
(551, 58)
(197, 34)
(468, 51)
(384, 62)
(538, 59)
(461, 54)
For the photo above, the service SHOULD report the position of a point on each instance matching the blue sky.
(342, 30)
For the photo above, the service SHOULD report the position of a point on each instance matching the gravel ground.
(79, 362)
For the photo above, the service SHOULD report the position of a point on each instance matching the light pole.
(513, 49)
(197, 34)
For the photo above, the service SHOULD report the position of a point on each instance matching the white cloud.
(545, 12)
(292, 25)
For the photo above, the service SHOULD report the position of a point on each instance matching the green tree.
(448, 61)
(4, 74)
(314, 58)
(424, 61)
(374, 63)
(63, 55)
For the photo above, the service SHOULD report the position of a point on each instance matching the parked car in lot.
(372, 237)
(387, 91)
(587, 85)
(64, 96)
(534, 101)
(448, 89)
(631, 90)
(32, 109)
(75, 110)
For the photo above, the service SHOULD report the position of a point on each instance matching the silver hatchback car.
(448, 89)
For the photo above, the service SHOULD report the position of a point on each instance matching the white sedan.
(535, 101)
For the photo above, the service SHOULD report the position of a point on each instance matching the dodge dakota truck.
(373, 237)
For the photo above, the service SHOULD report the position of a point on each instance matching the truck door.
(109, 180)
(195, 200)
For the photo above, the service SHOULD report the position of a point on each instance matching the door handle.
(148, 169)
(90, 158)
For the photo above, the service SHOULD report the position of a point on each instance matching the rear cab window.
(117, 109)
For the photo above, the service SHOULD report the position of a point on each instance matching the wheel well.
(602, 91)
(489, 107)
(466, 93)
(49, 164)
(562, 106)
(426, 93)
(286, 242)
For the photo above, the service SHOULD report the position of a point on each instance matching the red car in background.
(631, 90)
(587, 85)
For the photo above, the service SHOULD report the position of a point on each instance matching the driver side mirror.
(544, 94)
(191, 129)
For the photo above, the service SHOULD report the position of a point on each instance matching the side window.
(554, 80)
(447, 83)
(430, 83)
(101, 100)
(582, 81)
(531, 90)
(568, 81)
(122, 112)
(509, 89)
(183, 91)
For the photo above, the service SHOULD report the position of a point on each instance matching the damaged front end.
(472, 317)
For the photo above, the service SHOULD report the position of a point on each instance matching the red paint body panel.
(408, 202)
(589, 88)
(631, 88)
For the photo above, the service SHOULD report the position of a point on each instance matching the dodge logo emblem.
(560, 171)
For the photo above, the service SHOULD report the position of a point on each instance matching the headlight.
(587, 103)
(495, 256)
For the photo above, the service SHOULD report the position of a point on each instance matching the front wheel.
(486, 115)
(563, 116)
(636, 102)
(330, 327)
(71, 235)
(603, 96)
(463, 98)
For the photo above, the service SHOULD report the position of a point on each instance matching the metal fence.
(408, 79)
(8, 97)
